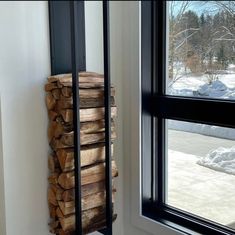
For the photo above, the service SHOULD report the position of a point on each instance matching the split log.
(54, 224)
(52, 210)
(50, 101)
(88, 202)
(55, 193)
(82, 84)
(53, 129)
(67, 115)
(66, 140)
(56, 128)
(85, 85)
(53, 178)
(67, 208)
(51, 196)
(56, 93)
(92, 220)
(89, 85)
(94, 127)
(97, 225)
(88, 218)
(89, 155)
(88, 189)
(94, 200)
(59, 213)
(68, 223)
(85, 93)
(67, 103)
(86, 115)
(67, 78)
(52, 115)
(66, 159)
(50, 86)
(67, 91)
(89, 175)
(53, 163)
(59, 193)
(90, 74)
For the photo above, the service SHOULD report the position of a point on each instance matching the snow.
(231, 66)
(209, 130)
(220, 159)
(198, 86)
(215, 89)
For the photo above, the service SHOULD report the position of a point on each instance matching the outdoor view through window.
(201, 64)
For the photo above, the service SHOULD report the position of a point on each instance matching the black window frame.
(156, 107)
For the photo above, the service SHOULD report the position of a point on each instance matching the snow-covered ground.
(200, 190)
(198, 86)
(220, 159)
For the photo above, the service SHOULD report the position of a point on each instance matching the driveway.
(194, 188)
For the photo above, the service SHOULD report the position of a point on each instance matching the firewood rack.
(67, 45)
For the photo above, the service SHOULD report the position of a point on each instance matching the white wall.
(24, 66)
(94, 36)
(128, 71)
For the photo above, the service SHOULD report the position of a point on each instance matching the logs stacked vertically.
(61, 190)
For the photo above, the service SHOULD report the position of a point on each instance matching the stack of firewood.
(61, 192)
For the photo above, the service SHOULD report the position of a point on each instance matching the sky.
(197, 6)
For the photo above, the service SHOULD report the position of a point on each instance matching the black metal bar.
(52, 39)
(212, 112)
(60, 36)
(76, 116)
(108, 161)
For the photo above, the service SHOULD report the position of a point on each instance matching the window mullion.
(205, 111)
(159, 73)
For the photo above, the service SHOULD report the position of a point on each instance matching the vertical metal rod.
(107, 93)
(76, 116)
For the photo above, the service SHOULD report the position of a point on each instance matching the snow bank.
(221, 159)
(216, 89)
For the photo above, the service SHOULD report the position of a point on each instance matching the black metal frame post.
(76, 117)
(67, 40)
(60, 36)
(108, 161)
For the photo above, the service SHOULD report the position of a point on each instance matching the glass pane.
(201, 49)
(201, 170)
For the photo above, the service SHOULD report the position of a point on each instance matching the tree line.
(202, 43)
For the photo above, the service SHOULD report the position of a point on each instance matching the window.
(188, 120)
